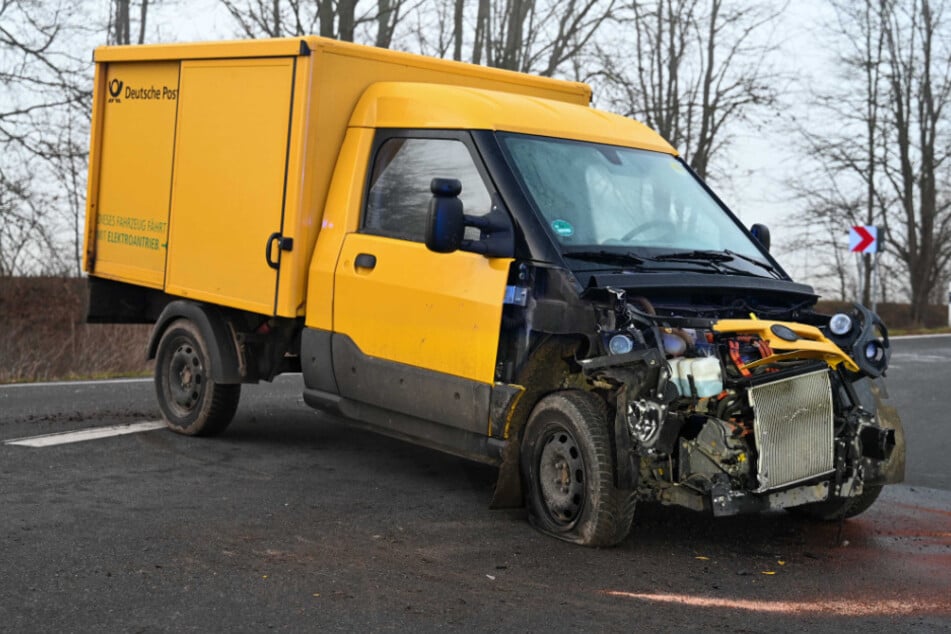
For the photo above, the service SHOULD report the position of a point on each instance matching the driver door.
(417, 332)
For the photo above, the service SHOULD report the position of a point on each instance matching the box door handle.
(365, 261)
(283, 244)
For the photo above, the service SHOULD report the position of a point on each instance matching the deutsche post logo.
(115, 89)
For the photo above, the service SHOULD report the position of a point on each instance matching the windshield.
(618, 199)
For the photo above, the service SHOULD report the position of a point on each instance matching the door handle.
(365, 261)
(284, 244)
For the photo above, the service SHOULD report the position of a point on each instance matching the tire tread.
(611, 514)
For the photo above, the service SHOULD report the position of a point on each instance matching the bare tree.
(918, 57)
(348, 20)
(120, 22)
(44, 124)
(26, 241)
(839, 182)
(47, 91)
(690, 69)
(541, 37)
(888, 147)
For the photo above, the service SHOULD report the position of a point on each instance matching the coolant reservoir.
(707, 377)
(706, 373)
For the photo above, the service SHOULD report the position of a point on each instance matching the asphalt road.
(291, 522)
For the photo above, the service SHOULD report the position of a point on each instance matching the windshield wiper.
(696, 254)
(602, 255)
(714, 259)
(747, 258)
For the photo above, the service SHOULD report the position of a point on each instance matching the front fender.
(872, 395)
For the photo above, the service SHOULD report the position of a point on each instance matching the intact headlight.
(840, 324)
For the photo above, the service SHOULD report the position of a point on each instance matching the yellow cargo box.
(210, 162)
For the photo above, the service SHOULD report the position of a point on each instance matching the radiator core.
(793, 427)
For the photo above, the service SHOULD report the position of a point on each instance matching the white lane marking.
(922, 358)
(928, 336)
(842, 607)
(75, 383)
(63, 438)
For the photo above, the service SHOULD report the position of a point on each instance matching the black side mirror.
(761, 233)
(446, 222)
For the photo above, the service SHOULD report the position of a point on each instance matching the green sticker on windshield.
(563, 228)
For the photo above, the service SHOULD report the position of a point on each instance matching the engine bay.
(737, 414)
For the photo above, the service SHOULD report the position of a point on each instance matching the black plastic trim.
(427, 394)
(112, 302)
(459, 442)
(708, 282)
(317, 360)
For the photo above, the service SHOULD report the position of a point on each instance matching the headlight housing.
(620, 344)
(840, 324)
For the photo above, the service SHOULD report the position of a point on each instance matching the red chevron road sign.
(863, 239)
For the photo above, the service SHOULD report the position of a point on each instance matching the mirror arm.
(497, 238)
(475, 246)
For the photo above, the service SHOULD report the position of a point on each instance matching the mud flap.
(508, 488)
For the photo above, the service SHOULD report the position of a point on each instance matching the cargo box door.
(229, 180)
(129, 201)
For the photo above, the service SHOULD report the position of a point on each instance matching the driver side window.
(398, 198)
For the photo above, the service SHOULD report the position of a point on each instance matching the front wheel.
(191, 401)
(568, 470)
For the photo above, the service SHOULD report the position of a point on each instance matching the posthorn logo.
(115, 90)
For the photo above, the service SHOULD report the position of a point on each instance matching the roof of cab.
(438, 106)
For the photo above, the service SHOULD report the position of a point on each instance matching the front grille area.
(793, 428)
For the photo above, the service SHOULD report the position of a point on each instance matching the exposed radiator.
(794, 429)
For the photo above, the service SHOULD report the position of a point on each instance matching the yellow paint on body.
(430, 310)
(399, 105)
(228, 183)
(133, 165)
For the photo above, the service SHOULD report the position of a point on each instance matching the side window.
(399, 195)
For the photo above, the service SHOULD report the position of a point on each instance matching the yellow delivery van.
(478, 261)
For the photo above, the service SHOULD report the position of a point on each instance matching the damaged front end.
(737, 415)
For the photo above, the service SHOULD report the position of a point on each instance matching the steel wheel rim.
(561, 477)
(186, 377)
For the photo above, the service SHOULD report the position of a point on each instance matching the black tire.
(190, 400)
(568, 472)
(837, 508)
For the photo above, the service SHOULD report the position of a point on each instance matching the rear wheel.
(568, 471)
(191, 401)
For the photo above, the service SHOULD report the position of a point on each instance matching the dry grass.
(43, 335)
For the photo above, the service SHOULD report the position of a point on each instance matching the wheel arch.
(547, 370)
(226, 363)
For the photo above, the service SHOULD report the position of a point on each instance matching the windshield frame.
(770, 268)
